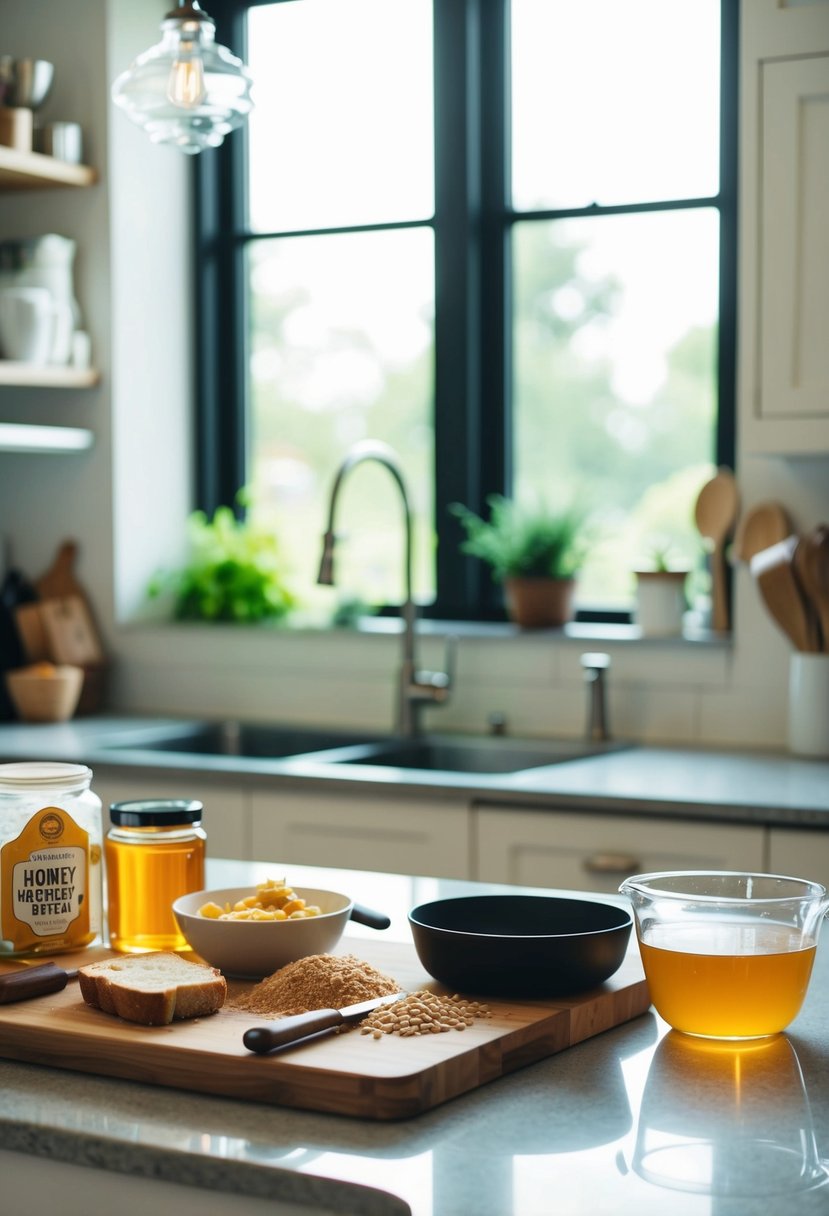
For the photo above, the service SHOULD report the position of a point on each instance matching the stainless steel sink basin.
(252, 740)
(474, 754)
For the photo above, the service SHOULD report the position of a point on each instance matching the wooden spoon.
(773, 572)
(715, 513)
(760, 527)
(805, 578)
(816, 577)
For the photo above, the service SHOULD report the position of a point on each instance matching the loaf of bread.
(152, 989)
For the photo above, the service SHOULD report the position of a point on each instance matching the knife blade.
(34, 981)
(263, 1039)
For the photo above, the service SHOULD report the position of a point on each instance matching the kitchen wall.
(126, 500)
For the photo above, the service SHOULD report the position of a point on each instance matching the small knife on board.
(34, 981)
(263, 1039)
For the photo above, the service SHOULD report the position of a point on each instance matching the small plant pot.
(660, 602)
(539, 603)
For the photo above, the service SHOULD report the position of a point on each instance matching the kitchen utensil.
(808, 721)
(255, 948)
(27, 82)
(813, 554)
(29, 982)
(761, 526)
(726, 955)
(17, 128)
(773, 572)
(520, 945)
(803, 576)
(715, 513)
(45, 692)
(263, 1039)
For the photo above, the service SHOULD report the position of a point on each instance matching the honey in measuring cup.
(154, 853)
(726, 955)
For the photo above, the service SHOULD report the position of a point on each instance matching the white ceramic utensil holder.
(660, 602)
(809, 704)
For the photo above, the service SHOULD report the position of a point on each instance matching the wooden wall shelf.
(34, 171)
(33, 375)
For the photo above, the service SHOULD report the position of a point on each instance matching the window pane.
(615, 379)
(614, 102)
(342, 350)
(342, 132)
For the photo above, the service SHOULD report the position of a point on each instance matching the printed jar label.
(44, 875)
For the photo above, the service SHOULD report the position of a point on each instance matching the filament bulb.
(185, 86)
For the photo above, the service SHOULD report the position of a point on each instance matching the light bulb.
(185, 86)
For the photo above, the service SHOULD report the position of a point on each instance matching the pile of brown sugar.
(320, 981)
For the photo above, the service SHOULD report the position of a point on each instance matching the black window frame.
(472, 226)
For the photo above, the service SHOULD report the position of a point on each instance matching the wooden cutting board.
(347, 1073)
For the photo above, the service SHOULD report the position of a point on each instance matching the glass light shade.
(187, 90)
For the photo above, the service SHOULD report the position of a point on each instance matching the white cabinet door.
(801, 853)
(401, 835)
(226, 814)
(579, 851)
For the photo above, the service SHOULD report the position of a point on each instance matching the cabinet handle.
(612, 863)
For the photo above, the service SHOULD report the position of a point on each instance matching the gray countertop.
(637, 1120)
(741, 786)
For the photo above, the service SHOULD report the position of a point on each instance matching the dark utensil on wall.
(520, 945)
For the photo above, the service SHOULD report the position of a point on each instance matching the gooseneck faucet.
(415, 688)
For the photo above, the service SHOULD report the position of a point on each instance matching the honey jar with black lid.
(155, 851)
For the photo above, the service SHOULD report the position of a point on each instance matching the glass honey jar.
(154, 853)
(50, 859)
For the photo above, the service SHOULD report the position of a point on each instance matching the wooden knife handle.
(262, 1039)
(32, 981)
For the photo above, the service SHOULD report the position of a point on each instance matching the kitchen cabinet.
(801, 853)
(362, 832)
(784, 357)
(578, 850)
(226, 810)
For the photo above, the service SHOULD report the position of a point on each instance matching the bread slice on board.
(152, 989)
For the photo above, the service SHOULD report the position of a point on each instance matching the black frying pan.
(520, 945)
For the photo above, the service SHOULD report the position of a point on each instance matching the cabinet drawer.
(347, 831)
(585, 852)
(803, 854)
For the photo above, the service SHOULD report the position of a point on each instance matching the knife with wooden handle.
(263, 1039)
(34, 981)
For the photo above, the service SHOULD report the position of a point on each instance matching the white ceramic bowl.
(252, 949)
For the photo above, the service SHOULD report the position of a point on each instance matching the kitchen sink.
(251, 740)
(475, 754)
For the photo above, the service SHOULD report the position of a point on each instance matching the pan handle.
(366, 916)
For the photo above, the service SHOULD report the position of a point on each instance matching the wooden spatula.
(715, 513)
(760, 527)
(773, 572)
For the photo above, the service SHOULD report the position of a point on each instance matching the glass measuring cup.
(727, 955)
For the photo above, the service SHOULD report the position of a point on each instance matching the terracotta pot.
(538, 603)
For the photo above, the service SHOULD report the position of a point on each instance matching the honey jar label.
(44, 878)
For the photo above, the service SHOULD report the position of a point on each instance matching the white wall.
(125, 501)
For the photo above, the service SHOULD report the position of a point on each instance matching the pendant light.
(187, 90)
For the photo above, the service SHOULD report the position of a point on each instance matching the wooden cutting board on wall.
(346, 1074)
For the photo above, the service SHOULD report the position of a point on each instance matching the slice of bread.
(152, 989)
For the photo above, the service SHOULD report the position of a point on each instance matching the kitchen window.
(498, 235)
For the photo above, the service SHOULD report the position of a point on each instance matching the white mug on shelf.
(809, 704)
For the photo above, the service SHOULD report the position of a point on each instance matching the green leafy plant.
(524, 541)
(234, 573)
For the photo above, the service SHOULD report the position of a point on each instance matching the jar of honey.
(154, 853)
(50, 859)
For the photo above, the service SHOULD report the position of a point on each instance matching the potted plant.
(535, 553)
(660, 596)
(234, 572)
